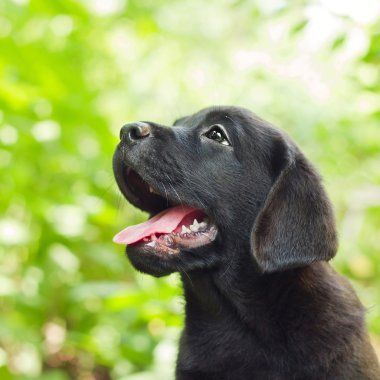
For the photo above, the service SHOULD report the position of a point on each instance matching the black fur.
(262, 302)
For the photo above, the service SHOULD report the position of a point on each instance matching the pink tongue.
(164, 222)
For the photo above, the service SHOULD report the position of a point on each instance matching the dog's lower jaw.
(276, 326)
(159, 263)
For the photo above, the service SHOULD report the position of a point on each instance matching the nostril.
(135, 131)
(133, 134)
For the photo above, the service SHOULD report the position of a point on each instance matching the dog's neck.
(270, 305)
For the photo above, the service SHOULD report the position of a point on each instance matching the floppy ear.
(296, 226)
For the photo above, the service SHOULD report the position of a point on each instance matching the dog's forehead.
(233, 116)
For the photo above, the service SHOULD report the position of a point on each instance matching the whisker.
(163, 185)
(182, 270)
(175, 191)
(166, 195)
(230, 263)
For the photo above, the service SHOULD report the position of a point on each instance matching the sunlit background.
(72, 72)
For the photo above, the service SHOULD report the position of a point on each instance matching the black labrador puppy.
(240, 212)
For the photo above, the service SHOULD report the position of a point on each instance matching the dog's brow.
(232, 120)
(179, 120)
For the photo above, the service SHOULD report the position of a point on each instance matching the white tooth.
(185, 230)
(195, 223)
(154, 237)
(202, 225)
(194, 227)
(151, 189)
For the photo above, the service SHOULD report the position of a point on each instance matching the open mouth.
(172, 227)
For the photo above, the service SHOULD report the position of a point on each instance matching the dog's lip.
(173, 243)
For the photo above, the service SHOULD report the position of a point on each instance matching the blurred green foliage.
(72, 72)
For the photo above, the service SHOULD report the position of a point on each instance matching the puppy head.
(245, 184)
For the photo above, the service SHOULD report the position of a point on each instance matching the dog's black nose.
(134, 131)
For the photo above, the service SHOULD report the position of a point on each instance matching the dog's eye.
(217, 134)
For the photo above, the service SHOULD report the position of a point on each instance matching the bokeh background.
(72, 72)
